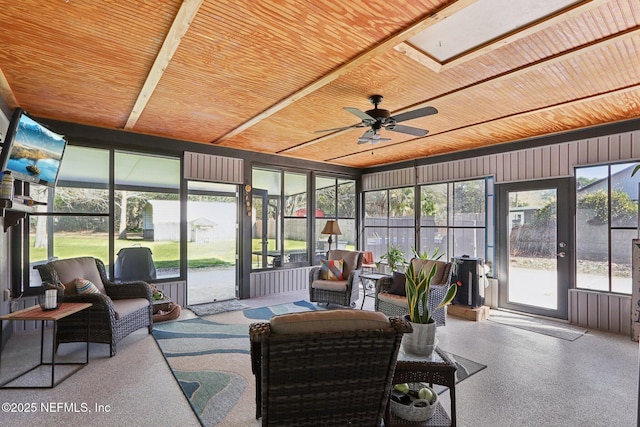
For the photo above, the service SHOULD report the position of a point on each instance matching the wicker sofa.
(325, 368)
(118, 309)
(342, 292)
(392, 302)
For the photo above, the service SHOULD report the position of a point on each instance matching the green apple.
(402, 388)
(426, 394)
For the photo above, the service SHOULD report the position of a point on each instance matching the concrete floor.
(530, 380)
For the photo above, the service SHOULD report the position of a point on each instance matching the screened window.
(280, 218)
(76, 220)
(606, 222)
(389, 221)
(453, 219)
(147, 208)
(335, 200)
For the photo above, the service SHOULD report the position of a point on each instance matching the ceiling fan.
(377, 118)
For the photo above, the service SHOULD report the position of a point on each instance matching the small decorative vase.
(421, 341)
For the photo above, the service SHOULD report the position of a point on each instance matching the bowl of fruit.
(413, 401)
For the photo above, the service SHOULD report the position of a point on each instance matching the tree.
(623, 208)
(468, 197)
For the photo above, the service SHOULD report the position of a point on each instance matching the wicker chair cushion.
(398, 284)
(330, 285)
(127, 306)
(427, 264)
(398, 300)
(328, 321)
(350, 259)
(70, 269)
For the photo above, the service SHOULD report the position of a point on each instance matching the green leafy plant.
(436, 255)
(417, 288)
(395, 258)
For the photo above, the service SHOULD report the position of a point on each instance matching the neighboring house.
(207, 221)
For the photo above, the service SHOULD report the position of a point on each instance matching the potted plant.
(422, 341)
(425, 255)
(395, 258)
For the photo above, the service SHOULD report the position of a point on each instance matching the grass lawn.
(165, 254)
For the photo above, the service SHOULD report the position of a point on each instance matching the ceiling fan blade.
(342, 128)
(420, 112)
(361, 114)
(368, 134)
(408, 130)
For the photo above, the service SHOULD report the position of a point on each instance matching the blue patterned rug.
(210, 359)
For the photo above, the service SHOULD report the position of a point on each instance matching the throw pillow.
(84, 286)
(331, 269)
(398, 284)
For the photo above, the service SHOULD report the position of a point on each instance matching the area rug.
(535, 324)
(210, 359)
(210, 308)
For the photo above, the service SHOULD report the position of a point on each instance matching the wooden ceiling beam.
(179, 27)
(389, 43)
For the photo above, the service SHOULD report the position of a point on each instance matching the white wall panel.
(277, 281)
(206, 167)
(389, 179)
(177, 291)
(595, 310)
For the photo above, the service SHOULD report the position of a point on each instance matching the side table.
(369, 281)
(435, 369)
(36, 313)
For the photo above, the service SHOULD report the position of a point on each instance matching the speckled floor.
(530, 380)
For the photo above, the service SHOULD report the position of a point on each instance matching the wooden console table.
(36, 313)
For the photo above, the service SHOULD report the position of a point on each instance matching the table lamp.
(331, 228)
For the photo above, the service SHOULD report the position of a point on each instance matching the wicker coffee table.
(436, 369)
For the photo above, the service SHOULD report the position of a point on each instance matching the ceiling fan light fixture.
(378, 118)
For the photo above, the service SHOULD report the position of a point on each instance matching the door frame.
(263, 215)
(565, 233)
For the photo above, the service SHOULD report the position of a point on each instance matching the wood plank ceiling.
(265, 75)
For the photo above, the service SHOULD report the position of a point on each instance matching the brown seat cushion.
(394, 299)
(328, 321)
(70, 269)
(350, 260)
(330, 285)
(426, 264)
(127, 306)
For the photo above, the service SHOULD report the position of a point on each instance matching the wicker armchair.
(397, 305)
(325, 368)
(118, 309)
(342, 292)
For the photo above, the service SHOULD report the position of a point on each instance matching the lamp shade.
(331, 227)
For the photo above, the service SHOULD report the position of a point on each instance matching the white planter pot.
(421, 341)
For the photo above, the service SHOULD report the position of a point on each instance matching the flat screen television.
(32, 152)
